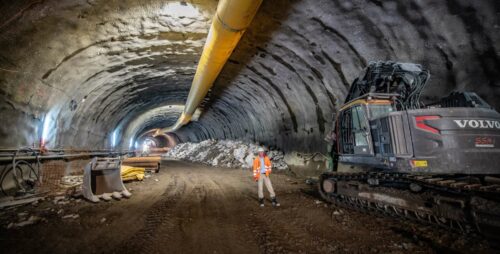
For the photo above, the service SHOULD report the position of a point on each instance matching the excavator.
(436, 163)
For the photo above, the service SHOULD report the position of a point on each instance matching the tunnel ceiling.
(91, 66)
(76, 71)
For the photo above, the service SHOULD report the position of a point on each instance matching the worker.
(261, 172)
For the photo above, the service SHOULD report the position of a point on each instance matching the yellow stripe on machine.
(419, 163)
(364, 101)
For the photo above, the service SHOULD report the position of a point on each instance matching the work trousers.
(260, 184)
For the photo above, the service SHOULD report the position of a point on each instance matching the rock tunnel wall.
(91, 67)
(95, 67)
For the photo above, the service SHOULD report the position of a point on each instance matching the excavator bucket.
(102, 180)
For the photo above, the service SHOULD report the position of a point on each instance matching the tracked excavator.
(436, 163)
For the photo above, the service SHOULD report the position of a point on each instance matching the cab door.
(354, 135)
(361, 130)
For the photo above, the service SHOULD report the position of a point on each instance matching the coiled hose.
(15, 166)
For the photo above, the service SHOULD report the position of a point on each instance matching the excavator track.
(461, 203)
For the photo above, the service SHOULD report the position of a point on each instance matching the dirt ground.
(192, 208)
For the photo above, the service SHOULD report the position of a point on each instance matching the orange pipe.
(229, 23)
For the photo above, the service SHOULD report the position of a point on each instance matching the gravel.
(224, 153)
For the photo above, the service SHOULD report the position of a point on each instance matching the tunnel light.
(131, 143)
(136, 145)
(113, 139)
(180, 9)
(46, 126)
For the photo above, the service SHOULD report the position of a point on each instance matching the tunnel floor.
(192, 208)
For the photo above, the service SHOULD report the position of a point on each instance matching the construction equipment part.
(102, 180)
(436, 162)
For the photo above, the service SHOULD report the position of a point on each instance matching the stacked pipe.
(151, 163)
(158, 151)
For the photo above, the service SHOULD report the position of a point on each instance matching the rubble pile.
(71, 181)
(224, 153)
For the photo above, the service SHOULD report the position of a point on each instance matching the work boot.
(275, 202)
(261, 202)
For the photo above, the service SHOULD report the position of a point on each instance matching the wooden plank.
(19, 202)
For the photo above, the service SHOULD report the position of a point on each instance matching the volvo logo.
(482, 124)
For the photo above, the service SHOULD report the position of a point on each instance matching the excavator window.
(360, 130)
(345, 130)
(354, 135)
(378, 111)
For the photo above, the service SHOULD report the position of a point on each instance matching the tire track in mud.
(204, 210)
(157, 217)
(269, 238)
(206, 220)
(198, 209)
(180, 221)
(229, 210)
(208, 217)
(287, 229)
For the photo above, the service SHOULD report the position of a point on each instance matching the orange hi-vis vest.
(256, 167)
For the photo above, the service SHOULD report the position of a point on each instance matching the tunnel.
(76, 74)
(80, 79)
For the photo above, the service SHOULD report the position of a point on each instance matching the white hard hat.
(261, 150)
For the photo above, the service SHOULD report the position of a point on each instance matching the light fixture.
(131, 143)
(113, 139)
(46, 125)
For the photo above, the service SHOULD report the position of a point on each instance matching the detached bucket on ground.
(102, 180)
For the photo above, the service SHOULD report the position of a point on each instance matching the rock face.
(85, 69)
(224, 153)
(79, 73)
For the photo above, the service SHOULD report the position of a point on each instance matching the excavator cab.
(353, 124)
(354, 134)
